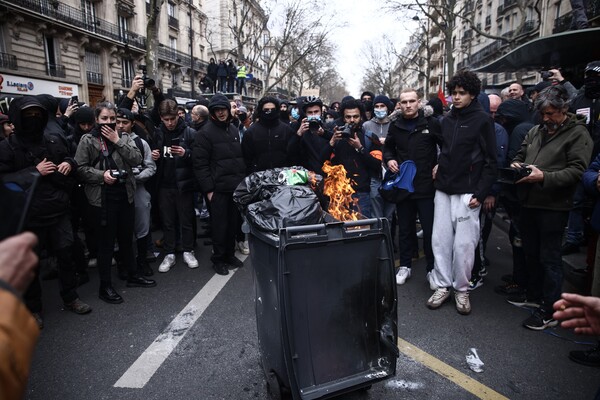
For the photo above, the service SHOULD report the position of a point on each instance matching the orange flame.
(339, 189)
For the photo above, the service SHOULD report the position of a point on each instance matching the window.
(123, 28)
(92, 67)
(52, 66)
(557, 10)
(89, 14)
(127, 72)
(175, 78)
(173, 42)
(171, 9)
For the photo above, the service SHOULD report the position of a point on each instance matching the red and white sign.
(19, 85)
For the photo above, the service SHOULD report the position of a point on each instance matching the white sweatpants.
(454, 239)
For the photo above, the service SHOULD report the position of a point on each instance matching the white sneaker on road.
(167, 263)
(243, 247)
(190, 259)
(402, 275)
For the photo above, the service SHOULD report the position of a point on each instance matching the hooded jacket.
(19, 156)
(467, 160)
(517, 122)
(176, 171)
(217, 157)
(269, 144)
(418, 145)
(563, 158)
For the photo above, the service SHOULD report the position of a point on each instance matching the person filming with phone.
(105, 159)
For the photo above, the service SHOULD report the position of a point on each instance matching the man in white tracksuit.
(464, 175)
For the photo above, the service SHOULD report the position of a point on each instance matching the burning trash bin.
(326, 305)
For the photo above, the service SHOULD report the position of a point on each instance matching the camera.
(314, 125)
(346, 131)
(119, 174)
(512, 175)
(546, 75)
(148, 82)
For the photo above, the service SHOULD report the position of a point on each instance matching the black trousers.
(224, 217)
(177, 206)
(115, 221)
(407, 214)
(57, 237)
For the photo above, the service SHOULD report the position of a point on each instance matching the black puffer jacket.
(19, 157)
(418, 145)
(218, 161)
(467, 161)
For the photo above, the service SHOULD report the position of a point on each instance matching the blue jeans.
(364, 203)
(541, 232)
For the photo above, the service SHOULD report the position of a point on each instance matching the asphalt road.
(83, 357)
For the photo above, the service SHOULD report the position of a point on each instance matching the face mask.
(268, 116)
(592, 87)
(381, 114)
(329, 120)
(295, 113)
(313, 118)
(32, 127)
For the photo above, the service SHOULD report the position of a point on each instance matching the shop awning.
(560, 50)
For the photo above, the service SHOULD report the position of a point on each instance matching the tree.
(381, 77)
(152, 40)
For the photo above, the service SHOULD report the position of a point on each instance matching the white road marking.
(142, 370)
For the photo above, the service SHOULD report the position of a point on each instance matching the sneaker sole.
(193, 266)
(527, 303)
(541, 328)
(463, 312)
(436, 306)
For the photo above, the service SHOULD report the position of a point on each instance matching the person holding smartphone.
(105, 159)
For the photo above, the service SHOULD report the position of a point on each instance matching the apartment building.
(484, 31)
(93, 49)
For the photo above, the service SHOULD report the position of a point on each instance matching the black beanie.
(219, 101)
(84, 114)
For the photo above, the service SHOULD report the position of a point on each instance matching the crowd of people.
(110, 174)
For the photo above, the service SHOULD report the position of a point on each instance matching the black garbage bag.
(288, 206)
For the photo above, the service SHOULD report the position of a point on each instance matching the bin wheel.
(273, 386)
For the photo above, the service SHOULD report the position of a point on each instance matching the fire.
(339, 189)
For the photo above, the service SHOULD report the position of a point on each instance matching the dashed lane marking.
(142, 370)
(452, 374)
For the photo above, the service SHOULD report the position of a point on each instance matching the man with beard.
(30, 152)
(219, 168)
(560, 148)
(314, 146)
(268, 143)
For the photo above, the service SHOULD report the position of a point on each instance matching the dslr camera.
(546, 75)
(512, 175)
(346, 131)
(119, 174)
(148, 82)
(314, 125)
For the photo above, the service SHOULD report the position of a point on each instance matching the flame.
(339, 189)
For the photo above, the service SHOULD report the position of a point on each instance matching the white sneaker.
(402, 275)
(243, 247)
(420, 234)
(92, 263)
(463, 305)
(190, 259)
(432, 285)
(167, 263)
(438, 298)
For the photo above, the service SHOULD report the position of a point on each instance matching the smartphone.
(15, 203)
(74, 100)
(175, 141)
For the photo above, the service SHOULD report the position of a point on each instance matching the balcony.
(563, 23)
(57, 11)
(528, 27)
(95, 78)
(509, 3)
(173, 22)
(56, 70)
(467, 35)
(8, 61)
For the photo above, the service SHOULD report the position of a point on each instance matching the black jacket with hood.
(419, 145)
(218, 161)
(269, 143)
(467, 160)
(515, 117)
(19, 156)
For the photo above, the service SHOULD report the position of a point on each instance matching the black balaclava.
(30, 129)
(268, 119)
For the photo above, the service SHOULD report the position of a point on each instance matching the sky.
(365, 21)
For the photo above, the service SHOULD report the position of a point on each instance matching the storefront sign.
(19, 85)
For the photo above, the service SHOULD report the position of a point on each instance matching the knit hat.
(593, 66)
(84, 115)
(219, 101)
(383, 99)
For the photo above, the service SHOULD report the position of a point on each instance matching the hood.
(484, 100)
(514, 111)
(219, 101)
(84, 114)
(19, 104)
(437, 106)
(49, 102)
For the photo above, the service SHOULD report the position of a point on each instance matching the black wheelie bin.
(326, 307)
